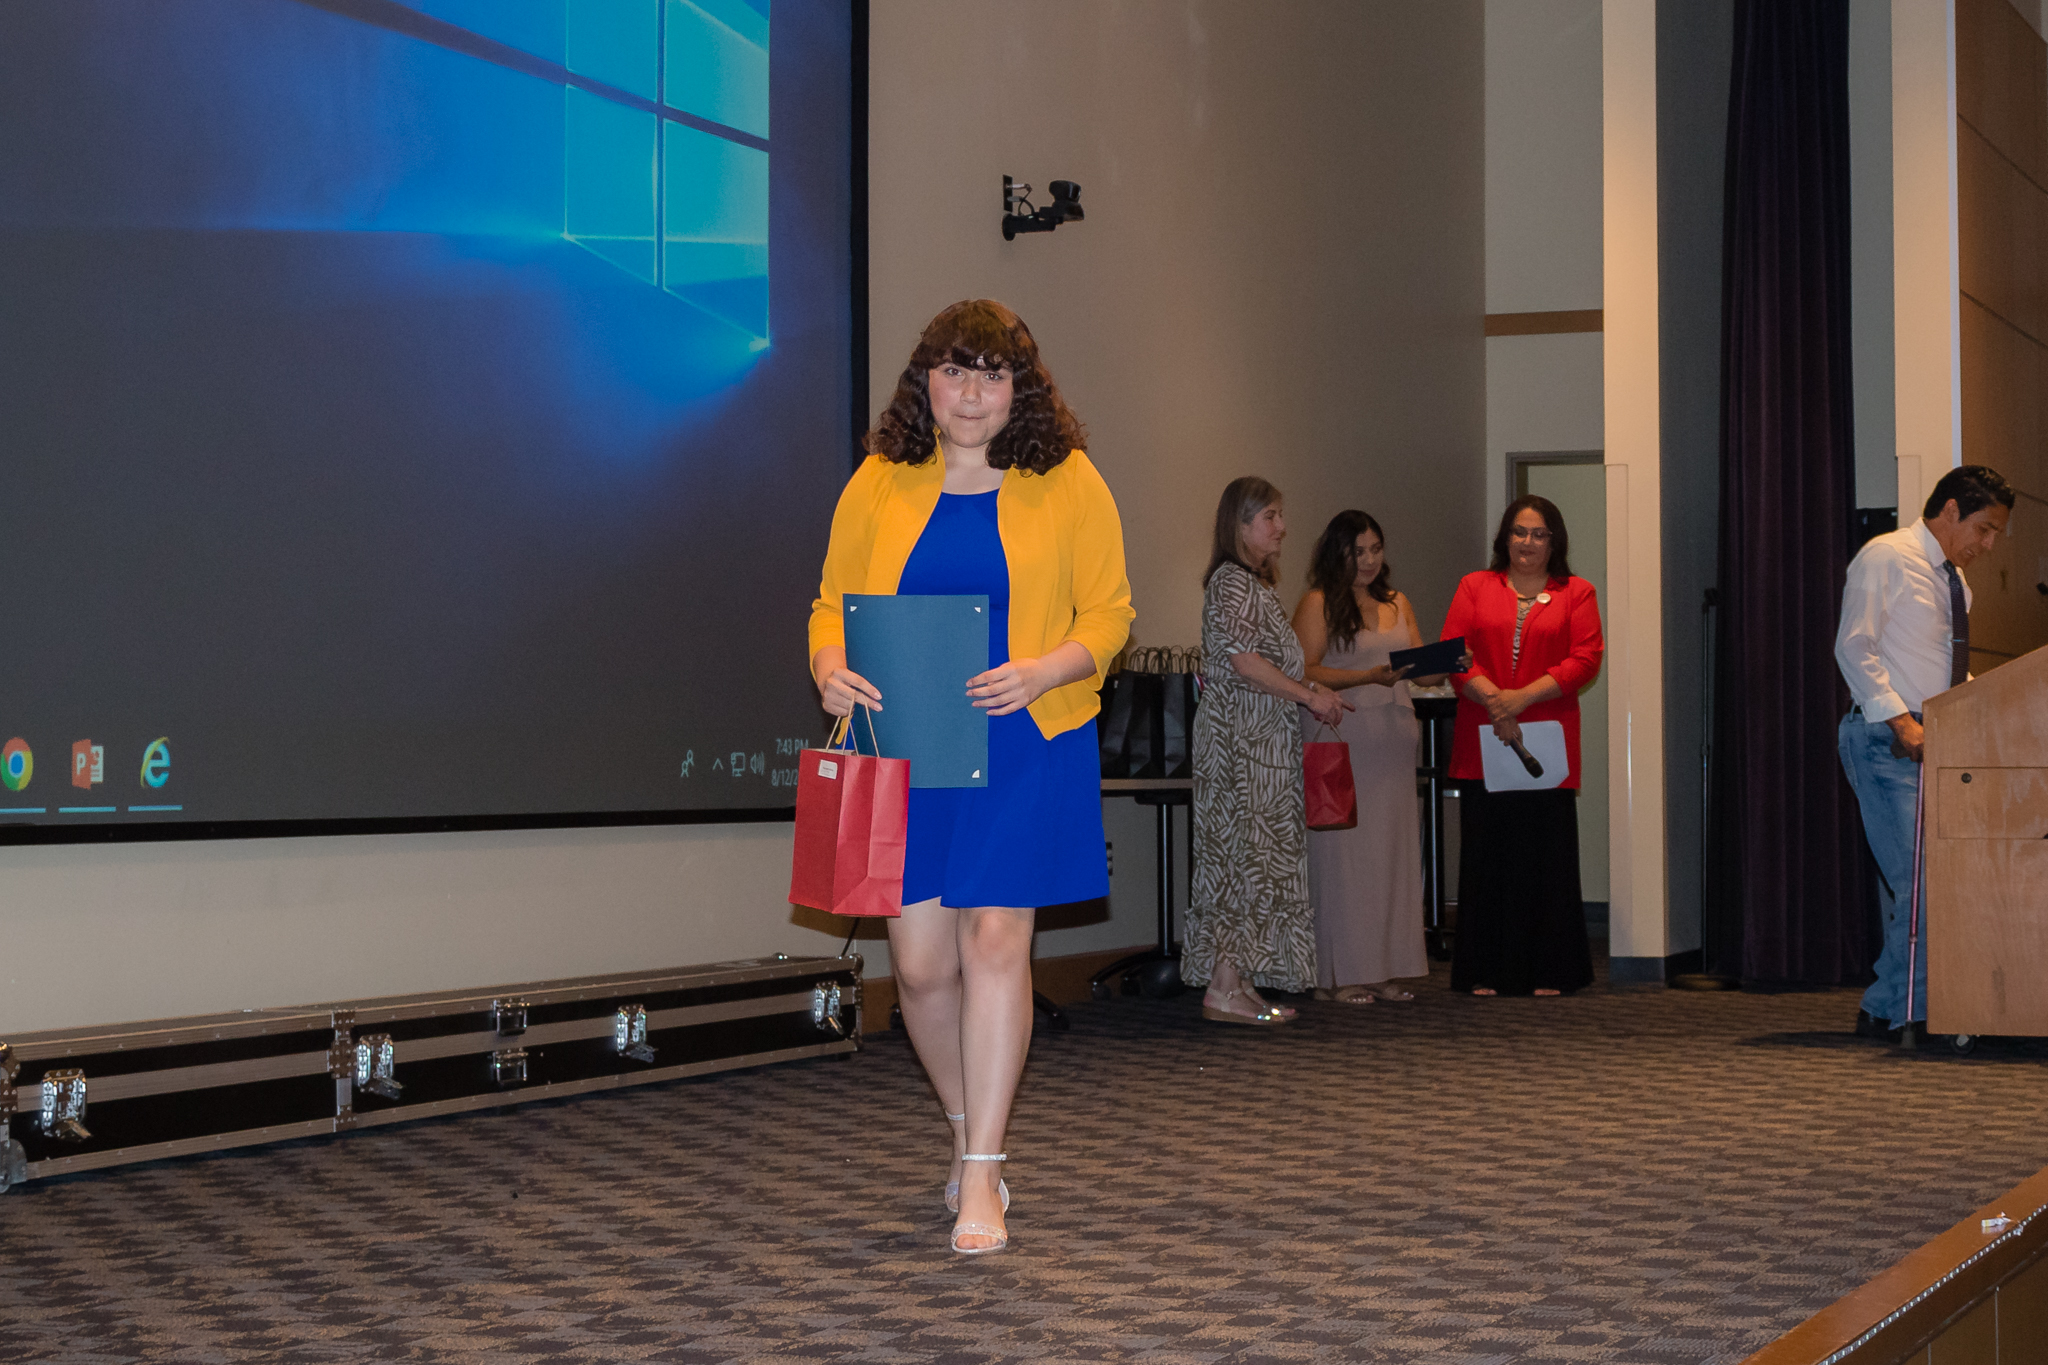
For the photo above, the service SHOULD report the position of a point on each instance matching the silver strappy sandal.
(953, 1186)
(1001, 1235)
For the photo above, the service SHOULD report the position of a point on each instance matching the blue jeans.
(1886, 789)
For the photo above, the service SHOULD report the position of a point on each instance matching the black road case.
(78, 1099)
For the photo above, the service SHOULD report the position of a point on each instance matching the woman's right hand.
(1328, 707)
(1386, 675)
(839, 687)
(1507, 730)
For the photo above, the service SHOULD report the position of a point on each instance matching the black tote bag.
(1148, 714)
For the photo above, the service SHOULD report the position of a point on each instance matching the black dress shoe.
(1869, 1026)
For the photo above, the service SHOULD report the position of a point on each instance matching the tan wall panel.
(2002, 221)
(2002, 378)
(2002, 81)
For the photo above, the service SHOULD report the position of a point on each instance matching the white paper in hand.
(1544, 739)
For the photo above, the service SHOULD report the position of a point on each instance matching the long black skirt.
(1521, 918)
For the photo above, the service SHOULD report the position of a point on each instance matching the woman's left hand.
(1013, 686)
(1010, 687)
(1503, 707)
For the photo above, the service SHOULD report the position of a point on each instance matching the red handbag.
(1330, 796)
(852, 820)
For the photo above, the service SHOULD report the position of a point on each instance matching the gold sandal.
(1365, 995)
(1265, 1018)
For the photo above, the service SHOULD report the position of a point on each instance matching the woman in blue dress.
(977, 483)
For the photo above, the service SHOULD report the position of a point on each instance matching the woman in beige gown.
(1365, 882)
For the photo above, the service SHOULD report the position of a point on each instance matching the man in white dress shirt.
(1905, 636)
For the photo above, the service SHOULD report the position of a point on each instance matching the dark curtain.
(1790, 898)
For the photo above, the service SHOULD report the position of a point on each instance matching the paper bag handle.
(845, 728)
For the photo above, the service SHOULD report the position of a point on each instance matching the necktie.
(1959, 627)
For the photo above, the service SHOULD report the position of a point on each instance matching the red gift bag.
(852, 816)
(1332, 799)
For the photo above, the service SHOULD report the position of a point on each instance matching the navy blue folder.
(919, 652)
(1439, 656)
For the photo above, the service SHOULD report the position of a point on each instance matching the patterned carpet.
(1631, 1176)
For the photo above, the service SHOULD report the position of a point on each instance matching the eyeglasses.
(1537, 534)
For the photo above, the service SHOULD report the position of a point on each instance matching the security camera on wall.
(1020, 216)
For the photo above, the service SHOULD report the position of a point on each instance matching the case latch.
(375, 1061)
(825, 1004)
(13, 1160)
(629, 1033)
(508, 1017)
(64, 1105)
(508, 1066)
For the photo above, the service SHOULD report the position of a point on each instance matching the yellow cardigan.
(1061, 536)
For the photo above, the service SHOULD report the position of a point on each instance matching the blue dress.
(1033, 835)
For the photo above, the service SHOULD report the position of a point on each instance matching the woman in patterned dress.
(1249, 920)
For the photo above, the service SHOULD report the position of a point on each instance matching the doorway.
(1576, 480)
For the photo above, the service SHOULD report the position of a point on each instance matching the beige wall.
(1542, 155)
(1543, 226)
(1282, 273)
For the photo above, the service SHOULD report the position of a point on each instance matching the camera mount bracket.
(1019, 215)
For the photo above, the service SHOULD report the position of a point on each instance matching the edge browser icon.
(156, 763)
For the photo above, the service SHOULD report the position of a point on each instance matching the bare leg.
(995, 1034)
(924, 953)
(1224, 979)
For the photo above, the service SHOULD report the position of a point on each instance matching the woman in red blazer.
(1533, 632)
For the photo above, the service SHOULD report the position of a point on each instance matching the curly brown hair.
(983, 335)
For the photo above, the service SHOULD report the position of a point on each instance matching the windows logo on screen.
(665, 130)
(17, 764)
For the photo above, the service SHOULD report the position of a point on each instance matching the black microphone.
(1528, 759)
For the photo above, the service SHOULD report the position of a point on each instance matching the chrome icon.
(17, 764)
(156, 763)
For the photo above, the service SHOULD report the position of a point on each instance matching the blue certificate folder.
(919, 652)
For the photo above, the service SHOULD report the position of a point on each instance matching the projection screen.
(418, 415)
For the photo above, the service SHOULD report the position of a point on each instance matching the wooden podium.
(1986, 797)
